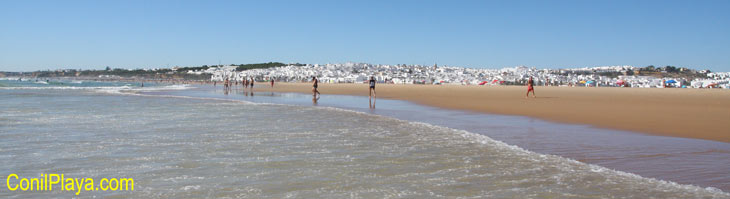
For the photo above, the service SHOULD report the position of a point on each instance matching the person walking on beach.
(372, 91)
(225, 84)
(315, 92)
(272, 82)
(530, 87)
(372, 87)
(251, 82)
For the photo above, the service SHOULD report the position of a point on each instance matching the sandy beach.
(689, 113)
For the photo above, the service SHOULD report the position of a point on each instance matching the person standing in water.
(252, 80)
(372, 91)
(372, 87)
(315, 92)
(530, 87)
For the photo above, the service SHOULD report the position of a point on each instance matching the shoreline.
(649, 156)
(687, 113)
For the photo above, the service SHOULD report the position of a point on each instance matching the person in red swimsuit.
(530, 87)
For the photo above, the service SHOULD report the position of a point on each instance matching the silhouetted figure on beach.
(315, 92)
(371, 91)
(225, 84)
(530, 87)
(372, 86)
(252, 80)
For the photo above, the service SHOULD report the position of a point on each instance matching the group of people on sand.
(246, 82)
(315, 84)
(371, 90)
(315, 91)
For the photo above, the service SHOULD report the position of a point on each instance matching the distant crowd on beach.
(248, 84)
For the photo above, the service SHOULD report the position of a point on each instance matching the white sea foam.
(62, 87)
(483, 139)
(104, 89)
(133, 90)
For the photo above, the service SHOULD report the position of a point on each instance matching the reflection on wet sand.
(372, 103)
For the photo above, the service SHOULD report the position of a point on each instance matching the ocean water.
(687, 161)
(202, 147)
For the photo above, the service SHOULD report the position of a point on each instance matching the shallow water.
(194, 148)
(687, 161)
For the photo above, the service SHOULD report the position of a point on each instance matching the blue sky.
(39, 35)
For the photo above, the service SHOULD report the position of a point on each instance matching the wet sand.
(689, 113)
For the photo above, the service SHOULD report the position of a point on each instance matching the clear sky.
(39, 35)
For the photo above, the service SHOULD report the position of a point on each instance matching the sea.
(201, 141)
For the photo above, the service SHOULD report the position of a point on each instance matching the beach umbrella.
(671, 81)
(589, 82)
(582, 81)
(483, 82)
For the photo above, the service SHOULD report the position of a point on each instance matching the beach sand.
(689, 113)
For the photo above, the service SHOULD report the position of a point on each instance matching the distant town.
(603, 76)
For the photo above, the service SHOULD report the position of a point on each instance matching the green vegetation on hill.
(185, 69)
(242, 67)
(670, 71)
(118, 72)
(659, 72)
